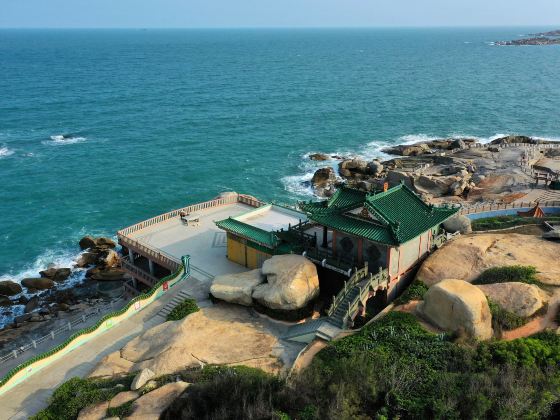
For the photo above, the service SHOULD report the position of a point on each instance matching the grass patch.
(511, 273)
(76, 394)
(415, 291)
(121, 411)
(503, 320)
(187, 307)
(504, 222)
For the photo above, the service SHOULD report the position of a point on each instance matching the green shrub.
(187, 307)
(504, 320)
(121, 411)
(415, 291)
(76, 394)
(512, 273)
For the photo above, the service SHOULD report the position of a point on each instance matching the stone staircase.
(338, 317)
(305, 332)
(180, 297)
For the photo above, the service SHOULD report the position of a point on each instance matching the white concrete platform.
(272, 218)
(205, 243)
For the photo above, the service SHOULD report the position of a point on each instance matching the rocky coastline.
(542, 38)
(38, 304)
(460, 170)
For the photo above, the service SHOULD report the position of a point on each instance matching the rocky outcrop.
(40, 283)
(154, 403)
(9, 288)
(56, 274)
(292, 282)
(88, 242)
(237, 288)
(459, 223)
(5, 301)
(519, 298)
(319, 157)
(323, 180)
(141, 378)
(221, 334)
(467, 257)
(456, 306)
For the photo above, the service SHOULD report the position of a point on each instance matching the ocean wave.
(5, 152)
(64, 139)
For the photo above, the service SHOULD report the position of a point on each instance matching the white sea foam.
(58, 258)
(63, 139)
(5, 152)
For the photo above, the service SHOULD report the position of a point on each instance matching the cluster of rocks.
(454, 304)
(447, 168)
(47, 302)
(285, 283)
(543, 38)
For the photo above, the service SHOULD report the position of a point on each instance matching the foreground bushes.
(394, 369)
(76, 394)
(504, 222)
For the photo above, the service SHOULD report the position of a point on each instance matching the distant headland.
(542, 38)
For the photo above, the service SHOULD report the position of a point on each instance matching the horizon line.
(274, 27)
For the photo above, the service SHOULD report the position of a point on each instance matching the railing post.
(69, 326)
(52, 335)
(14, 352)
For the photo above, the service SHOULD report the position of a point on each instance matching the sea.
(100, 129)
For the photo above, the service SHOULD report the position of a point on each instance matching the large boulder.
(94, 412)
(87, 242)
(9, 288)
(519, 298)
(292, 282)
(323, 179)
(468, 256)
(108, 258)
(455, 305)
(396, 177)
(122, 398)
(408, 149)
(353, 166)
(5, 301)
(32, 304)
(56, 274)
(40, 283)
(458, 223)
(86, 259)
(319, 156)
(154, 403)
(141, 378)
(374, 167)
(237, 288)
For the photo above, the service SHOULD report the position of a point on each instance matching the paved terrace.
(205, 243)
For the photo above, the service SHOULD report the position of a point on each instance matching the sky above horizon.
(277, 13)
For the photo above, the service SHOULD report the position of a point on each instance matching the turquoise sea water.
(100, 129)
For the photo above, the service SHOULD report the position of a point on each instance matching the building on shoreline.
(387, 232)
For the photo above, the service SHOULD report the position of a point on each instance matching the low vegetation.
(504, 222)
(511, 273)
(393, 369)
(390, 369)
(503, 320)
(187, 307)
(415, 291)
(77, 394)
(121, 411)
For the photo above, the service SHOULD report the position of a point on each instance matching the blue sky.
(275, 13)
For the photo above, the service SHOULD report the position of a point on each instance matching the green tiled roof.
(400, 214)
(260, 236)
(343, 199)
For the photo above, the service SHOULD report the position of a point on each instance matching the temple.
(390, 230)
